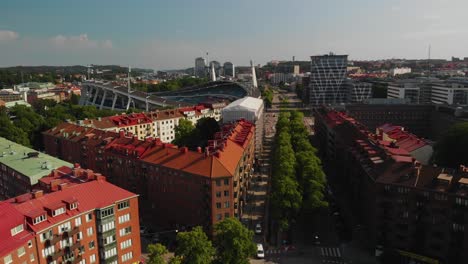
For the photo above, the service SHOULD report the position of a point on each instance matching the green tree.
(233, 242)
(175, 260)
(207, 127)
(184, 133)
(194, 247)
(452, 149)
(156, 253)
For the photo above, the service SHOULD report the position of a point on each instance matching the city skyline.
(170, 35)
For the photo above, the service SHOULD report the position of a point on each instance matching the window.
(218, 194)
(39, 219)
(91, 245)
(89, 217)
(78, 221)
(59, 211)
(218, 205)
(106, 212)
(29, 244)
(21, 251)
(125, 231)
(46, 235)
(127, 256)
(226, 181)
(64, 227)
(110, 253)
(79, 236)
(106, 227)
(226, 215)
(218, 182)
(219, 217)
(73, 206)
(226, 193)
(31, 257)
(124, 218)
(123, 205)
(89, 231)
(17, 230)
(108, 240)
(48, 251)
(226, 205)
(127, 243)
(92, 258)
(8, 259)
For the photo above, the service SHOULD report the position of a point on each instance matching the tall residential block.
(200, 67)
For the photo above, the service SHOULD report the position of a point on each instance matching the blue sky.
(170, 34)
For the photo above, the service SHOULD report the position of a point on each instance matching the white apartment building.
(398, 71)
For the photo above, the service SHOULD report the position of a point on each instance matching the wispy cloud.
(8, 35)
(79, 42)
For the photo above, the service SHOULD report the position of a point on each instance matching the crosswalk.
(330, 252)
(331, 255)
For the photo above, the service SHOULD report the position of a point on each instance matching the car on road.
(260, 252)
(258, 229)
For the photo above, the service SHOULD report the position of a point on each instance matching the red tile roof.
(402, 138)
(11, 218)
(89, 195)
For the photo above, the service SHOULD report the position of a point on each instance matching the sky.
(170, 34)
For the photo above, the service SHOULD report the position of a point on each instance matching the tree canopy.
(452, 149)
(298, 181)
(194, 247)
(233, 241)
(156, 253)
(198, 136)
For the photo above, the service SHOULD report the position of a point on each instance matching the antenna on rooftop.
(429, 53)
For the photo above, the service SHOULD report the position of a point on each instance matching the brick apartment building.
(156, 124)
(73, 216)
(400, 204)
(176, 185)
(22, 167)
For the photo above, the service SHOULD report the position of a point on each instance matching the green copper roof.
(35, 165)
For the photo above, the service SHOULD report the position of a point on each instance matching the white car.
(260, 252)
(258, 229)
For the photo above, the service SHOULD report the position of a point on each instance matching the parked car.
(260, 252)
(258, 229)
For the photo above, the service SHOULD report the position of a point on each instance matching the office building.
(200, 69)
(190, 187)
(229, 69)
(89, 222)
(453, 92)
(359, 91)
(21, 168)
(327, 79)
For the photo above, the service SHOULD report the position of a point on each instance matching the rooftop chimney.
(62, 186)
(38, 193)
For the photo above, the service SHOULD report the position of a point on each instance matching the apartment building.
(21, 168)
(156, 124)
(191, 187)
(138, 124)
(80, 218)
(399, 204)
